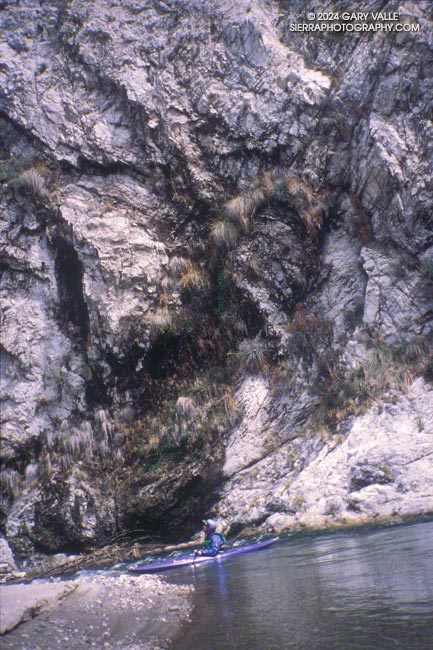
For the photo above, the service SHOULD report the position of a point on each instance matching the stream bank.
(95, 611)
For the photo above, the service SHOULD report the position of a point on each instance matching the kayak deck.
(168, 565)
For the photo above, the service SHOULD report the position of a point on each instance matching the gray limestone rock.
(382, 470)
(119, 151)
(395, 301)
(7, 561)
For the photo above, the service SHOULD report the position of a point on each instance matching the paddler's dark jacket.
(213, 544)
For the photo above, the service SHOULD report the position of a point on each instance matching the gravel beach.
(101, 612)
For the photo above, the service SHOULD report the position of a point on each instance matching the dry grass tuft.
(383, 372)
(192, 276)
(75, 444)
(240, 327)
(289, 187)
(160, 321)
(33, 182)
(32, 474)
(253, 355)
(273, 185)
(11, 482)
(177, 265)
(312, 218)
(185, 407)
(267, 182)
(224, 234)
(241, 209)
(168, 283)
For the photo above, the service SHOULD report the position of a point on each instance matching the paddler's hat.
(210, 524)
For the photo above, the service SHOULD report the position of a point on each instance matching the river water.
(365, 589)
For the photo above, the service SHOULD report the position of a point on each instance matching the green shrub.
(223, 291)
(345, 392)
(411, 352)
(281, 193)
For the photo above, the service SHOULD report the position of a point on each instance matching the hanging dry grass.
(277, 185)
(75, 444)
(32, 474)
(192, 276)
(33, 182)
(160, 321)
(241, 208)
(177, 265)
(224, 234)
(185, 407)
(267, 182)
(312, 218)
(11, 482)
(168, 283)
(382, 372)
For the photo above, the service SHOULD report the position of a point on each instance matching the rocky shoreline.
(105, 610)
(379, 471)
(99, 611)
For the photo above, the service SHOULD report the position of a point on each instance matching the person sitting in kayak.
(214, 542)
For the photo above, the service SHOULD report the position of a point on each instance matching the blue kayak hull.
(168, 565)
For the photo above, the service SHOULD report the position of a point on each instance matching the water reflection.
(379, 564)
(363, 589)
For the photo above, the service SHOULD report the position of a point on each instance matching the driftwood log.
(100, 559)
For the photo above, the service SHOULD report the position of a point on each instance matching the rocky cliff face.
(217, 256)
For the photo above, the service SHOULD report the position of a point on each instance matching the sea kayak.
(168, 565)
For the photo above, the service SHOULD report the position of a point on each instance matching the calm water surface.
(360, 589)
